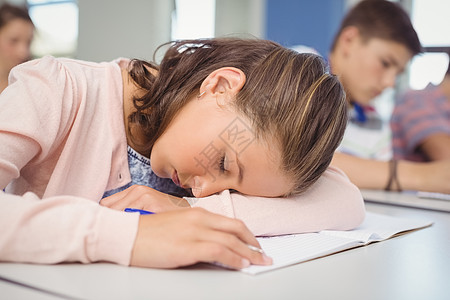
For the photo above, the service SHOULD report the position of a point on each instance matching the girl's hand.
(185, 237)
(142, 197)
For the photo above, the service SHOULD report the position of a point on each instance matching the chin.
(159, 172)
(364, 100)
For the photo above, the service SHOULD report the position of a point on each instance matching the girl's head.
(245, 106)
(16, 34)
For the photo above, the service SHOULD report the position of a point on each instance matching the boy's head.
(373, 45)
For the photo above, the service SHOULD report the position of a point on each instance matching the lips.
(175, 178)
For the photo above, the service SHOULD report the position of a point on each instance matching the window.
(431, 21)
(56, 25)
(193, 19)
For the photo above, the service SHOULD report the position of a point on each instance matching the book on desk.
(296, 248)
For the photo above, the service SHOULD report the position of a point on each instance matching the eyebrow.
(394, 61)
(241, 170)
(400, 68)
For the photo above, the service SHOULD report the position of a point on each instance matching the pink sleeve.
(332, 203)
(63, 229)
(33, 119)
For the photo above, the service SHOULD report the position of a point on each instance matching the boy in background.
(374, 44)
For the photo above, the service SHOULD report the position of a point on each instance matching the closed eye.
(385, 63)
(222, 164)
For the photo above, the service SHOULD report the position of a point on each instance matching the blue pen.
(140, 211)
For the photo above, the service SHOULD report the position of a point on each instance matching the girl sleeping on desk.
(243, 129)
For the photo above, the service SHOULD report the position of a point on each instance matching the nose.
(23, 52)
(207, 185)
(389, 79)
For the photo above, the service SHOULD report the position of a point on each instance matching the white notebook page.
(291, 249)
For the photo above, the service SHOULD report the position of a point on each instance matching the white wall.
(240, 17)
(114, 28)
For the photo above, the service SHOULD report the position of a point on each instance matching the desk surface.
(13, 291)
(411, 266)
(407, 199)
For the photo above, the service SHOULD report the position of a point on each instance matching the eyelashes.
(385, 63)
(222, 164)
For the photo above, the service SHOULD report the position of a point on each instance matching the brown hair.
(381, 19)
(9, 12)
(288, 96)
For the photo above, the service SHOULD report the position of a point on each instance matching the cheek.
(364, 76)
(158, 158)
(3, 47)
(190, 160)
(9, 51)
(156, 162)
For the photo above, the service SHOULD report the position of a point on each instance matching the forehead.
(398, 53)
(17, 25)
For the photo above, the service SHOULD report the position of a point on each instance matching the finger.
(108, 201)
(222, 223)
(219, 255)
(134, 197)
(252, 254)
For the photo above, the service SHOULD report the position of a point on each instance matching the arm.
(70, 229)
(436, 146)
(357, 170)
(374, 174)
(58, 228)
(333, 202)
(420, 125)
(63, 229)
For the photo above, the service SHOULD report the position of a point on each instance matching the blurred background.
(102, 30)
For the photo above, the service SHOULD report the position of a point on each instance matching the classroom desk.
(412, 266)
(13, 291)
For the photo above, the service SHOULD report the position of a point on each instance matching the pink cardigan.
(63, 145)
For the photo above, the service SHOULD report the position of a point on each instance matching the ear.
(348, 37)
(224, 83)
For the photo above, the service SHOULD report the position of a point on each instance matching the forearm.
(373, 174)
(436, 147)
(365, 173)
(333, 202)
(431, 176)
(63, 229)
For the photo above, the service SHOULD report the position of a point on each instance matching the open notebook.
(291, 249)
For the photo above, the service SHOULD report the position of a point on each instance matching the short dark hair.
(381, 19)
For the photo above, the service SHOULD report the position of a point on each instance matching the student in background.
(421, 123)
(16, 34)
(373, 45)
(215, 115)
